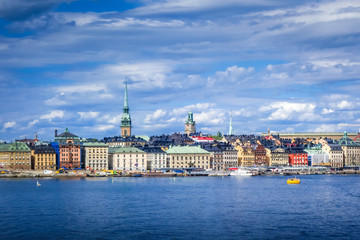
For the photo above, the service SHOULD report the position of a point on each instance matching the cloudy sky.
(285, 65)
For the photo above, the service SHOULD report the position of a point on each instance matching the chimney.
(55, 132)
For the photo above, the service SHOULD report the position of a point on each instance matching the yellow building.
(277, 157)
(188, 157)
(15, 156)
(246, 156)
(43, 157)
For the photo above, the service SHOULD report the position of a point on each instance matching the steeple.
(230, 127)
(126, 119)
(190, 124)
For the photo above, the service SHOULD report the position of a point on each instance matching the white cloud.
(232, 74)
(88, 115)
(53, 114)
(290, 111)
(104, 127)
(32, 123)
(195, 107)
(155, 116)
(10, 124)
(327, 111)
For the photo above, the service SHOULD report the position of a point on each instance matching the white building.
(96, 156)
(127, 159)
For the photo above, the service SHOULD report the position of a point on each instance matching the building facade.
(298, 157)
(277, 156)
(95, 155)
(260, 155)
(43, 157)
(127, 159)
(69, 150)
(15, 155)
(351, 151)
(246, 156)
(336, 156)
(188, 157)
(317, 156)
(155, 157)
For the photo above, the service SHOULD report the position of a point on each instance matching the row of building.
(68, 151)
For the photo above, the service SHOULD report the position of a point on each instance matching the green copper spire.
(126, 119)
(126, 96)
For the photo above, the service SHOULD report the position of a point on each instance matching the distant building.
(351, 151)
(155, 157)
(246, 156)
(43, 157)
(126, 119)
(95, 155)
(15, 155)
(317, 156)
(297, 156)
(188, 156)
(69, 150)
(127, 159)
(336, 156)
(124, 141)
(277, 156)
(190, 125)
(260, 155)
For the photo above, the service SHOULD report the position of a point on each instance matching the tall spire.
(126, 119)
(230, 127)
(126, 105)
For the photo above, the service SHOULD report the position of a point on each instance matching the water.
(263, 207)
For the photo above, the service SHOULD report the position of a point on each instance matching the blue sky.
(283, 65)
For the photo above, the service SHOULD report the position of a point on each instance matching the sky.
(287, 66)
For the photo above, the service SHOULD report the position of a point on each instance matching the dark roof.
(44, 149)
(67, 134)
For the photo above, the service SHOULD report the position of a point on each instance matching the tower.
(231, 132)
(126, 119)
(190, 125)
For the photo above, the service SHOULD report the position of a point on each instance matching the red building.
(298, 157)
(260, 155)
(69, 150)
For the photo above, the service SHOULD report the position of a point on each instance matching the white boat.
(241, 172)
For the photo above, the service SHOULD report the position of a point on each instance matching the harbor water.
(262, 207)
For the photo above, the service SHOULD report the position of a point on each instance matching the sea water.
(261, 207)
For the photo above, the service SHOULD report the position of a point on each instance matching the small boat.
(240, 172)
(293, 181)
(38, 184)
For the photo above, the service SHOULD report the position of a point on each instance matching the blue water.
(263, 207)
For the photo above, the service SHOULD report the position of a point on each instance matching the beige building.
(336, 155)
(127, 159)
(351, 151)
(43, 157)
(187, 157)
(277, 157)
(15, 156)
(95, 155)
(246, 156)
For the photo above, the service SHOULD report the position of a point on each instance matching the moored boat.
(240, 172)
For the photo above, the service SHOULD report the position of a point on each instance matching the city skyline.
(287, 66)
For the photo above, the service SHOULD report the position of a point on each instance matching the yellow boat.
(293, 181)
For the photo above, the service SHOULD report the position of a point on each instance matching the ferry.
(240, 172)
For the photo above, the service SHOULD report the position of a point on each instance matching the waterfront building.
(230, 156)
(15, 155)
(127, 159)
(121, 141)
(69, 150)
(277, 156)
(95, 155)
(188, 156)
(317, 156)
(351, 151)
(260, 155)
(246, 156)
(297, 156)
(43, 157)
(216, 156)
(126, 119)
(190, 125)
(336, 155)
(155, 157)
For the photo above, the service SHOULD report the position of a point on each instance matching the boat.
(38, 184)
(293, 181)
(240, 172)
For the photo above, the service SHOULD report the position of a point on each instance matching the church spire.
(230, 127)
(126, 105)
(126, 119)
